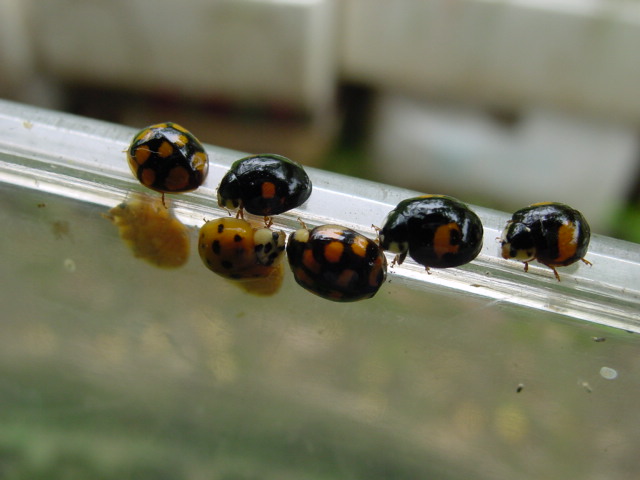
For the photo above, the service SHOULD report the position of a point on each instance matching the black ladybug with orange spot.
(265, 184)
(167, 158)
(336, 263)
(437, 231)
(553, 233)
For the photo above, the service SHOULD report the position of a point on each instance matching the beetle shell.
(435, 230)
(265, 184)
(554, 234)
(168, 158)
(336, 263)
(232, 248)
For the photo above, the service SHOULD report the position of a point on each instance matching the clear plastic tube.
(83, 159)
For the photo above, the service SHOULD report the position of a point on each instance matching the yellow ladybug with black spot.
(234, 249)
(437, 231)
(554, 234)
(336, 263)
(167, 158)
(265, 184)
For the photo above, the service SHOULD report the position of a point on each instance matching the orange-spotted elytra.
(554, 234)
(234, 249)
(265, 184)
(167, 158)
(336, 263)
(151, 230)
(435, 230)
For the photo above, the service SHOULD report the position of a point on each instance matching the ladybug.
(265, 184)
(336, 263)
(435, 230)
(554, 234)
(168, 158)
(151, 230)
(234, 249)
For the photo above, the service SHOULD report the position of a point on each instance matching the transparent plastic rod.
(84, 159)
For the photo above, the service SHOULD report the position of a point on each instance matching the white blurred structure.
(252, 50)
(578, 55)
(546, 155)
(568, 68)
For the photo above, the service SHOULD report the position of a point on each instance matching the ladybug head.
(229, 192)
(517, 242)
(394, 235)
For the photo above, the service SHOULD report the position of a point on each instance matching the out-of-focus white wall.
(566, 70)
(577, 55)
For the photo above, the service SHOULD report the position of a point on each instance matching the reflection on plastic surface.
(112, 368)
(147, 225)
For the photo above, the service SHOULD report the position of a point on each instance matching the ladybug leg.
(240, 213)
(428, 270)
(163, 202)
(526, 267)
(304, 225)
(398, 259)
(555, 272)
(586, 262)
(268, 221)
(377, 230)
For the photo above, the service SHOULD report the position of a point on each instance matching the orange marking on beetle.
(567, 242)
(303, 278)
(442, 239)
(333, 251)
(359, 246)
(145, 135)
(199, 161)
(268, 190)
(376, 271)
(165, 149)
(310, 262)
(141, 154)
(181, 141)
(335, 294)
(178, 179)
(148, 177)
(177, 127)
(431, 195)
(346, 277)
(332, 232)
